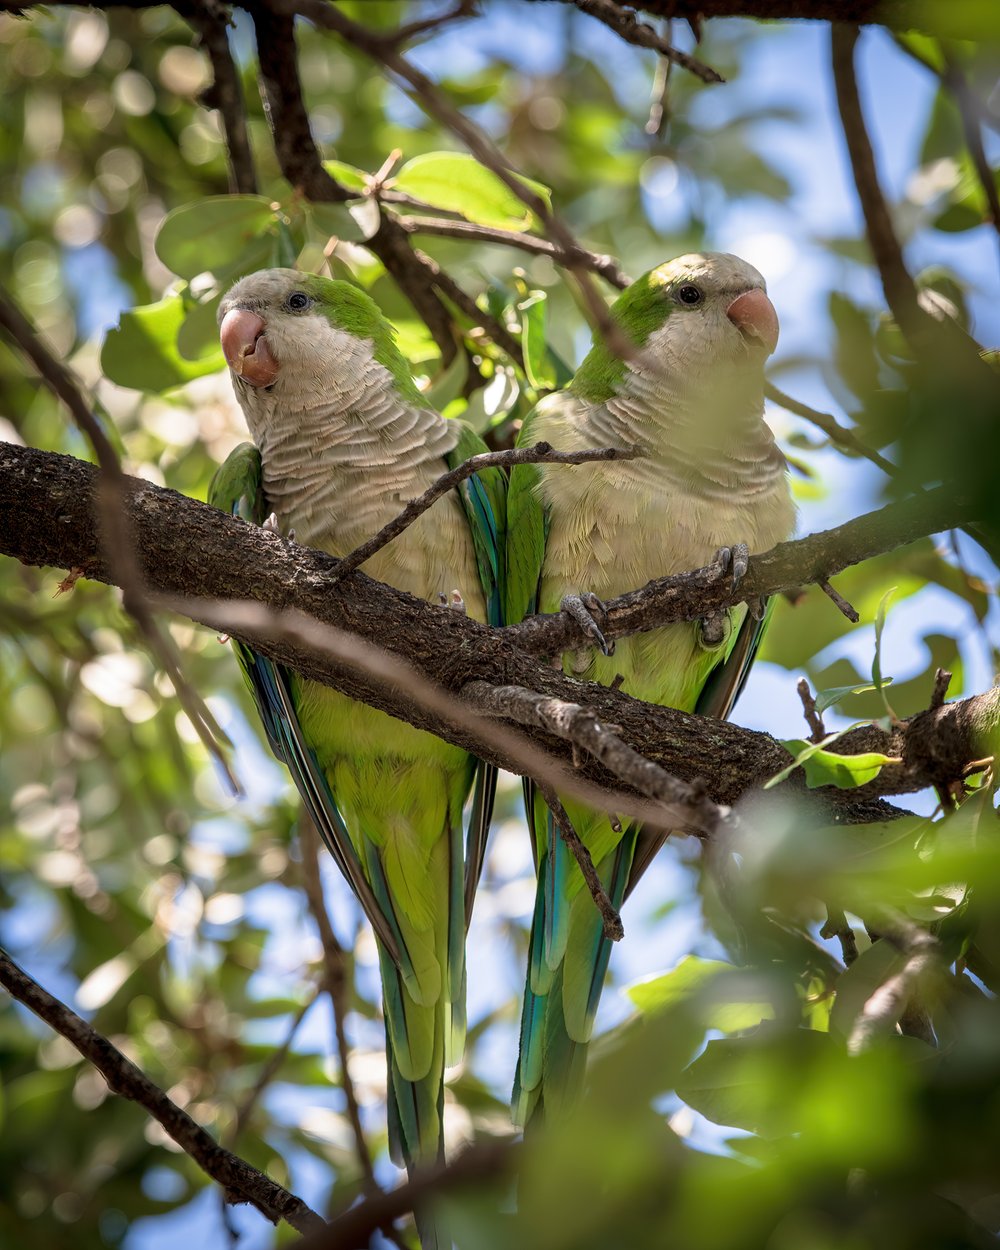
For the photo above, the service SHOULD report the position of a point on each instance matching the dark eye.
(689, 294)
(297, 301)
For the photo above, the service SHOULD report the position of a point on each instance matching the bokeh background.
(133, 885)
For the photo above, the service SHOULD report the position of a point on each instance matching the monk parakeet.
(710, 483)
(341, 441)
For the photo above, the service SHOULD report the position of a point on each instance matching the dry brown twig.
(240, 1181)
(540, 453)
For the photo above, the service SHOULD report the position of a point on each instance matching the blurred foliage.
(172, 916)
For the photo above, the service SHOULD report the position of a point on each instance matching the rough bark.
(185, 548)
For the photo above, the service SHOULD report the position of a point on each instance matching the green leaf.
(826, 768)
(347, 175)
(877, 658)
(736, 1001)
(213, 234)
(827, 698)
(345, 221)
(142, 351)
(537, 366)
(872, 968)
(457, 182)
(198, 336)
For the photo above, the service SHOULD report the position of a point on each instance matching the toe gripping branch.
(586, 609)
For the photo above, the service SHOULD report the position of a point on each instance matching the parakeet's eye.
(297, 301)
(689, 294)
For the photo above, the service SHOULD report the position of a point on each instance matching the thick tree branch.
(186, 548)
(896, 14)
(627, 28)
(241, 1182)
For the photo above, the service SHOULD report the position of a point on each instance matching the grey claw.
(582, 608)
(757, 607)
(456, 602)
(271, 523)
(736, 558)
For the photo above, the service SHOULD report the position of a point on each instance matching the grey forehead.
(257, 291)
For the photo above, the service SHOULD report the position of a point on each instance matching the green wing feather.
(236, 488)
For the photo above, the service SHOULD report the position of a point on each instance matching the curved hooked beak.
(753, 315)
(246, 348)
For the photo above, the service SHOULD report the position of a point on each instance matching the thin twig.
(226, 95)
(836, 597)
(831, 427)
(449, 288)
(942, 680)
(433, 101)
(814, 719)
(940, 341)
(614, 930)
(424, 26)
(446, 228)
(114, 529)
(692, 809)
(955, 79)
(486, 1163)
(628, 28)
(270, 1070)
(540, 453)
(837, 926)
(241, 1182)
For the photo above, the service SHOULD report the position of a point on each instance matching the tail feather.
(559, 1010)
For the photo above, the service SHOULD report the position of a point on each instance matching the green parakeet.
(710, 482)
(342, 440)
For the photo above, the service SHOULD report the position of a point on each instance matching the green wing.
(484, 500)
(237, 488)
(718, 698)
(527, 529)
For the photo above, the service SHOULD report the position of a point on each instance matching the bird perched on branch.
(710, 483)
(341, 441)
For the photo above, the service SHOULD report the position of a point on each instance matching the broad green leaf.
(871, 969)
(827, 698)
(826, 768)
(457, 182)
(447, 384)
(490, 405)
(198, 336)
(735, 1003)
(142, 351)
(537, 366)
(345, 221)
(213, 234)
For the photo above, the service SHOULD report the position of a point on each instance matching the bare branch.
(487, 1163)
(814, 720)
(971, 114)
(226, 95)
(614, 931)
(241, 1182)
(186, 548)
(446, 228)
(831, 427)
(628, 28)
(540, 453)
(837, 598)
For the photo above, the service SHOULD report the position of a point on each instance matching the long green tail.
(568, 957)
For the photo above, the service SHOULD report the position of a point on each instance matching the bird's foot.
(585, 609)
(714, 629)
(271, 523)
(453, 601)
(735, 559)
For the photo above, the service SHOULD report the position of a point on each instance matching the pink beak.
(753, 315)
(246, 348)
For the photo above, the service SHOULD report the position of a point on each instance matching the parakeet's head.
(692, 316)
(704, 302)
(287, 332)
